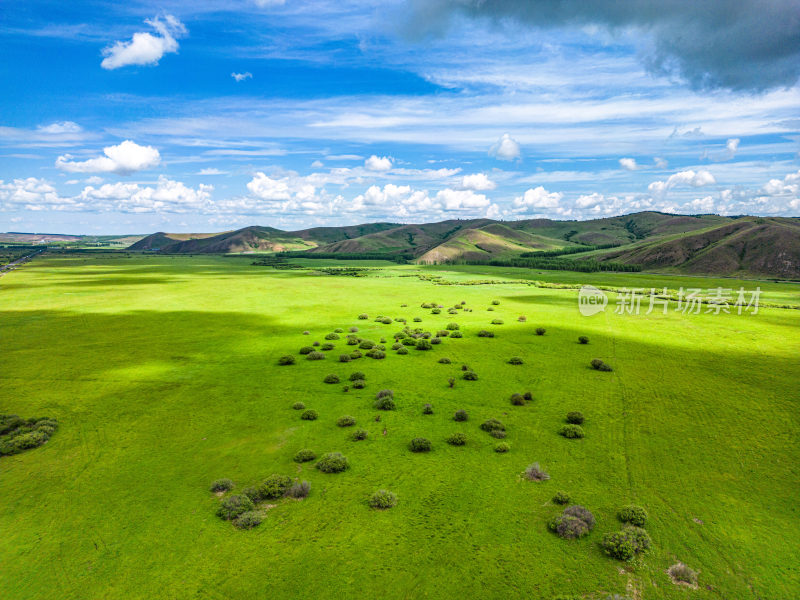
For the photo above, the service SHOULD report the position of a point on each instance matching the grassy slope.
(157, 398)
(493, 241)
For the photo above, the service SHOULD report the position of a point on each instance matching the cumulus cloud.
(166, 196)
(735, 44)
(660, 163)
(506, 148)
(629, 164)
(731, 148)
(478, 182)
(32, 194)
(242, 76)
(375, 163)
(60, 127)
(212, 171)
(144, 48)
(125, 158)
(689, 177)
(536, 198)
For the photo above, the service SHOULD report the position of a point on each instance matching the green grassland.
(162, 373)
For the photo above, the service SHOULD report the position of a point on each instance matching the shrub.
(498, 433)
(386, 320)
(315, 356)
(353, 341)
(298, 406)
(309, 415)
(486, 334)
(254, 493)
(338, 330)
(274, 486)
(359, 434)
(332, 336)
(460, 415)
(436, 311)
(306, 350)
(344, 358)
(445, 361)
(346, 388)
(522, 318)
(409, 341)
(633, 514)
(306, 333)
(420, 444)
(327, 347)
(376, 354)
(233, 506)
(582, 513)
(535, 473)
(315, 344)
(403, 350)
(497, 321)
(355, 354)
(383, 499)
(417, 320)
(540, 331)
(442, 333)
(561, 498)
(299, 490)
(436, 340)
(502, 447)
(385, 403)
(470, 376)
(366, 345)
(363, 316)
(423, 345)
(490, 309)
(626, 543)
(222, 485)
(248, 520)
(346, 421)
(583, 340)
(457, 439)
(359, 384)
(599, 365)
(571, 432)
(517, 400)
(287, 359)
(353, 329)
(515, 360)
(495, 302)
(305, 455)
(427, 409)
(456, 334)
(356, 376)
(385, 393)
(568, 527)
(575, 417)
(683, 574)
(397, 346)
(451, 381)
(493, 425)
(333, 462)
(331, 378)
(453, 326)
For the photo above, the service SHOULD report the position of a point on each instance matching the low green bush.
(356, 376)
(359, 384)
(346, 421)
(495, 302)
(575, 417)
(497, 321)
(460, 415)
(315, 356)
(498, 433)
(420, 444)
(233, 506)
(385, 403)
(456, 439)
(305, 455)
(363, 316)
(376, 354)
(355, 354)
(582, 513)
(470, 376)
(442, 333)
(427, 409)
(583, 340)
(248, 520)
(299, 490)
(535, 473)
(344, 358)
(599, 365)
(561, 498)
(309, 415)
(485, 334)
(568, 527)
(306, 350)
(359, 434)
(423, 345)
(683, 574)
(383, 499)
(502, 447)
(222, 485)
(522, 318)
(633, 514)
(298, 406)
(456, 334)
(436, 311)
(274, 486)
(445, 361)
(397, 346)
(493, 425)
(333, 462)
(627, 543)
(571, 432)
(332, 336)
(331, 378)
(453, 326)
(353, 341)
(403, 350)
(417, 320)
(327, 347)
(409, 341)
(515, 360)
(366, 345)
(436, 340)
(353, 329)
(287, 359)
(517, 400)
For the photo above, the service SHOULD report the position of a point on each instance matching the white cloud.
(242, 76)
(125, 158)
(506, 148)
(660, 163)
(702, 205)
(269, 3)
(32, 194)
(269, 189)
(732, 146)
(688, 177)
(449, 199)
(589, 200)
(212, 171)
(145, 48)
(536, 198)
(317, 164)
(60, 127)
(478, 182)
(374, 163)
(629, 164)
(166, 196)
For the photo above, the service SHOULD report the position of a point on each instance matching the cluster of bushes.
(599, 365)
(520, 399)
(573, 430)
(574, 522)
(18, 434)
(384, 400)
(470, 376)
(241, 508)
(632, 539)
(486, 334)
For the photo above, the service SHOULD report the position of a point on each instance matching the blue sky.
(141, 116)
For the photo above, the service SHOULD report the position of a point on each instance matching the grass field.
(162, 374)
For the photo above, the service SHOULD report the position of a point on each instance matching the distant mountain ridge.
(698, 244)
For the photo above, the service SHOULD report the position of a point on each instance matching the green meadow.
(162, 373)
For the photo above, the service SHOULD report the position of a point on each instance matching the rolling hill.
(700, 244)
